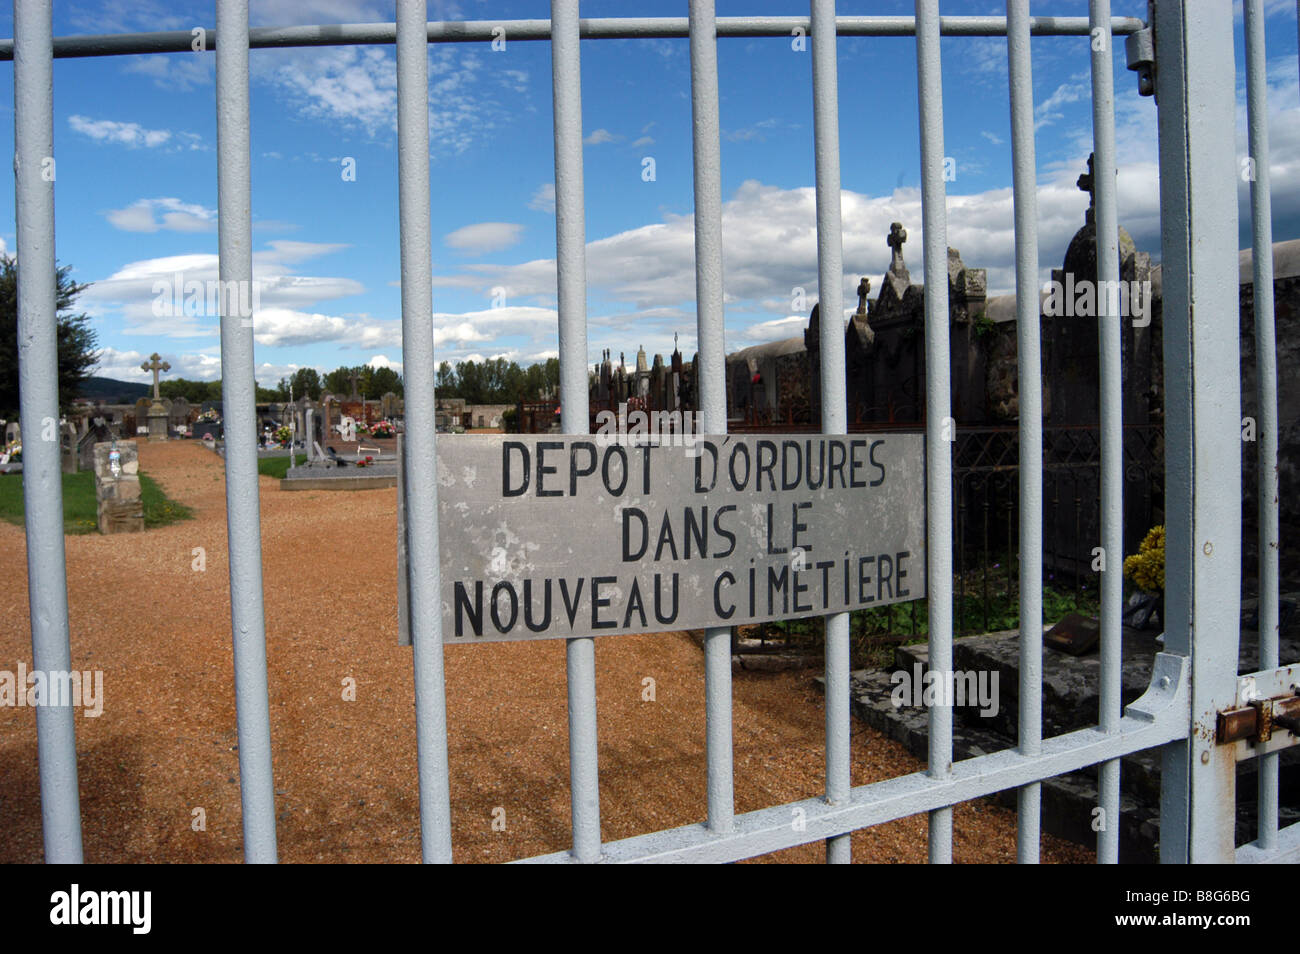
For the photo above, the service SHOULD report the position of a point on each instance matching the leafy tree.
(306, 381)
(77, 341)
(447, 383)
(339, 381)
(383, 380)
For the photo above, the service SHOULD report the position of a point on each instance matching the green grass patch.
(277, 467)
(80, 508)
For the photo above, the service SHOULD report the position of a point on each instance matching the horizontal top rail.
(606, 28)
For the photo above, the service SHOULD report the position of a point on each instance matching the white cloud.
(1048, 111)
(125, 365)
(600, 137)
(543, 199)
(139, 291)
(357, 86)
(175, 72)
(484, 237)
(126, 134)
(177, 216)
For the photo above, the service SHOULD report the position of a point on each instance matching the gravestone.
(142, 415)
(13, 433)
(68, 447)
(117, 487)
(179, 414)
(390, 406)
(158, 411)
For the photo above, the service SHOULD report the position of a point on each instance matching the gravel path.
(345, 771)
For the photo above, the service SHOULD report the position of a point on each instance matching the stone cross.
(353, 378)
(897, 236)
(1087, 184)
(155, 365)
(864, 288)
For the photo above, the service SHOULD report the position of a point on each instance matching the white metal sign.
(556, 536)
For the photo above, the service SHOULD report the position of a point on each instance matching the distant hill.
(112, 391)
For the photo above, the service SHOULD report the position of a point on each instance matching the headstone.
(390, 406)
(158, 412)
(117, 487)
(13, 433)
(68, 447)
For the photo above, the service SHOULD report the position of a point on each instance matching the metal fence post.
(38, 384)
(938, 406)
(1198, 199)
(239, 411)
(711, 374)
(1029, 364)
(575, 418)
(1261, 211)
(420, 482)
(1111, 423)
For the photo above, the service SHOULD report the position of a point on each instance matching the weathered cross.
(353, 377)
(897, 236)
(864, 288)
(1086, 184)
(155, 365)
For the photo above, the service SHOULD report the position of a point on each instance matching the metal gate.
(1196, 703)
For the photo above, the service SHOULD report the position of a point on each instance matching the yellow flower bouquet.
(1146, 568)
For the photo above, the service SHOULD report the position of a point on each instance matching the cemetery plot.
(583, 535)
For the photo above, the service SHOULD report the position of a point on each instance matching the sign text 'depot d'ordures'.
(545, 536)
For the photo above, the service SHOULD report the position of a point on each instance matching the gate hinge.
(1140, 48)
(1140, 51)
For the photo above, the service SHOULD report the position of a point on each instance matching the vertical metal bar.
(238, 409)
(1198, 207)
(1261, 204)
(38, 388)
(830, 295)
(420, 440)
(938, 403)
(1110, 345)
(711, 375)
(571, 263)
(1029, 371)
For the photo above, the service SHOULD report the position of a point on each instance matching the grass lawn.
(277, 466)
(80, 511)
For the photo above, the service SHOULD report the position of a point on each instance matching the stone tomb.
(117, 488)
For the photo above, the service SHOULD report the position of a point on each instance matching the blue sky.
(136, 192)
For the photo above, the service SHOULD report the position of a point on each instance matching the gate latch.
(1257, 721)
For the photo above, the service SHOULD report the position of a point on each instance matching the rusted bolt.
(1205, 758)
(1208, 548)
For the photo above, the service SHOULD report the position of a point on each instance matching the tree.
(306, 381)
(339, 381)
(447, 384)
(196, 392)
(383, 380)
(77, 341)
